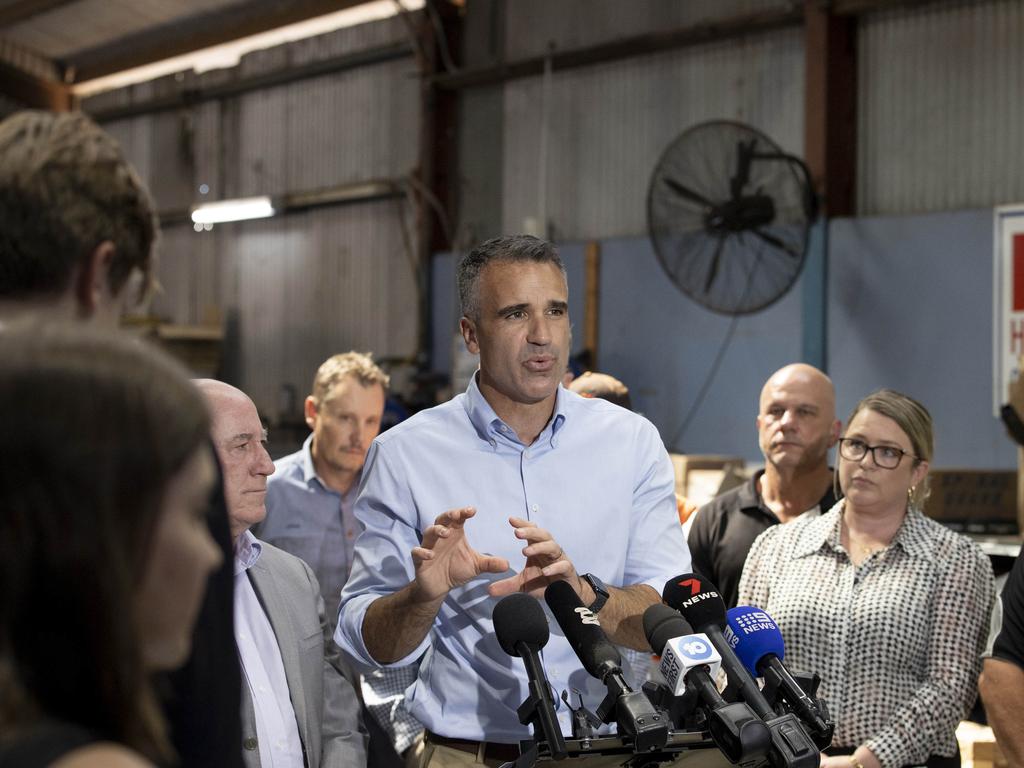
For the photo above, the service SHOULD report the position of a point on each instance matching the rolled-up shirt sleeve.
(382, 562)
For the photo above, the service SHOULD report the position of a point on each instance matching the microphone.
(635, 716)
(522, 630)
(758, 643)
(698, 600)
(689, 660)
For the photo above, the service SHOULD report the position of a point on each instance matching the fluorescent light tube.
(233, 210)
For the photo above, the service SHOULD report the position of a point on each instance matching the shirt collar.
(309, 469)
(247, 552)
(826, 531)
(748, 495)
(488, 425)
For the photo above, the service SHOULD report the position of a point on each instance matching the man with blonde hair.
(310, 500)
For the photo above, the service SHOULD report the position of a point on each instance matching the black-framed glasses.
(884, 456)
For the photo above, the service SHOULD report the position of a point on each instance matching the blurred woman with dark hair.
(890, 607)
(104, 553)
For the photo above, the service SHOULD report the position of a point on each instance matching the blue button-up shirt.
(598, 478)
(311, 521)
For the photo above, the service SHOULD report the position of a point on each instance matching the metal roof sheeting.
(609, 125)
(940, 114)
(531, 25)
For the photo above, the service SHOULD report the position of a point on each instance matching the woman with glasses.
(888, 606)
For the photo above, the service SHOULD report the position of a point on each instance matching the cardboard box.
(974, 501)
(699, 476)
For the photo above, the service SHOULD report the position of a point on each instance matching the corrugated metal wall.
(295, 288)
(940, 109)
(609, 124)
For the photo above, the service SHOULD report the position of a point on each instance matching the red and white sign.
(1008, 301)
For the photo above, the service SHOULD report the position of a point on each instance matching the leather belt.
(482, 749)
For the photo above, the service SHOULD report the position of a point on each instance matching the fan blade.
(687, 193)
(773, 240)
(713, 272)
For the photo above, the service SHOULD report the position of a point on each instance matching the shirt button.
(250, 743)
(493, 443)
(534, 508)
(261, 689)
(526, 454)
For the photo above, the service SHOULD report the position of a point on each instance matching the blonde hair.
(337, 368)
(915, 421)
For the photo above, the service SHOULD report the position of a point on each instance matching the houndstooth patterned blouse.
(896, 639)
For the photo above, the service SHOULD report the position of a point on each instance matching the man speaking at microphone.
(539, 485)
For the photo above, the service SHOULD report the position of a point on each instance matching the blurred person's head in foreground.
(104, 549)
(77, 226)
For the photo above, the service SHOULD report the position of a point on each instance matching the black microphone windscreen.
(696, 598)
(581, 629)
(519, 618)
(661, 624)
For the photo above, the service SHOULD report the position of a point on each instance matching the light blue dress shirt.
(598, 478)
(311, 521)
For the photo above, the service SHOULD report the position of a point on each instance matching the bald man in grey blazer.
(298, 710)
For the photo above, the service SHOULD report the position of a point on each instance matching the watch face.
(597, 585)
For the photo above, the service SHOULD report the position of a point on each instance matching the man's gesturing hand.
(445, 559)
(545, 563)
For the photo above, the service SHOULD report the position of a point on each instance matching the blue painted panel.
(910, 307)
(662, 345)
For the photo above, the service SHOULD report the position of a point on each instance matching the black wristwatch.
(600, 592)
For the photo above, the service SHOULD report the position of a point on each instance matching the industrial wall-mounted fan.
(729, 215)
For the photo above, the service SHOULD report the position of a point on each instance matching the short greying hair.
(508, 248)
(65, 187)
(337, 368)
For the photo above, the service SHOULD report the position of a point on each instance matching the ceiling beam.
(861, 7)
(185, 97)
(622, 48)
(20, 10)
(33, 92)
(196, 32)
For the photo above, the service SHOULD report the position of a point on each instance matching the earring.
(910, 494)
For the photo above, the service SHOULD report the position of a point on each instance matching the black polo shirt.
(725, 528)
(1008, 632)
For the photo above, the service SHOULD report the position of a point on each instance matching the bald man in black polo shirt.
(796, 426)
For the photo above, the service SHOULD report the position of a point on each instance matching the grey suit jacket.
(325, 704)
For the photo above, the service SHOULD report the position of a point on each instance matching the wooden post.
(592, 300)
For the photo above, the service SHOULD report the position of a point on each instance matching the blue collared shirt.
(311, 521)
(598, 478)
(277, 730)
